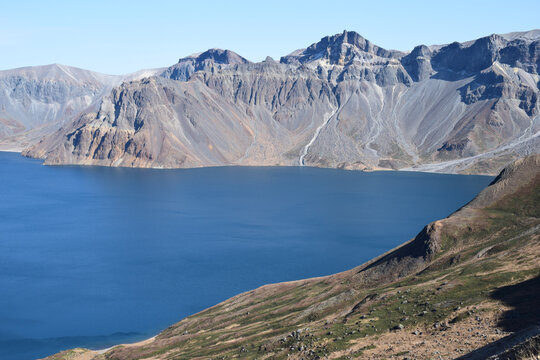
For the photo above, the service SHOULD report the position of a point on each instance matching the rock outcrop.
(36, 101)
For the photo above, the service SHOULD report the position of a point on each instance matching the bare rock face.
(342, 102)
(36, 101)
(340, 49)
(203, 61)
(418, 64)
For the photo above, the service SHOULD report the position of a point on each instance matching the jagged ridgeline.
(342, 102)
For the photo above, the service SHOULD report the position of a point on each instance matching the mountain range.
(342, 102)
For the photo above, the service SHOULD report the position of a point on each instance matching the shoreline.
(11, 150)
(142, 342)
(424, 168)
(362, 266)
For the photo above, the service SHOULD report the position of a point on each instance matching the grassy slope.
(446, 281)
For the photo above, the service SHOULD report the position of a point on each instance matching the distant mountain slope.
(342, 102)
(35, 101)
(462, 283)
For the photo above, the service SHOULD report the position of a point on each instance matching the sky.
(119, 37)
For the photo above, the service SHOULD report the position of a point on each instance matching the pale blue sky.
(123, 36)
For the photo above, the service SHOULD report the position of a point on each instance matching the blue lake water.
(93, 256)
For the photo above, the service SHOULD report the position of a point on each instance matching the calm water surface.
(93, 256)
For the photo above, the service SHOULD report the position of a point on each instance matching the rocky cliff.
(342, 102)
(36, 101)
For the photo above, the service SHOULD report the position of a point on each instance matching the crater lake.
(95, 256)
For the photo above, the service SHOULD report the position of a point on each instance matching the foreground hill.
(465, 286)
(342, 102)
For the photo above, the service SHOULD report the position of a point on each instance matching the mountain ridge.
(342, 102)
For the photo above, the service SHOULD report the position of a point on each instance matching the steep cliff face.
(342, 102)
(36, 101)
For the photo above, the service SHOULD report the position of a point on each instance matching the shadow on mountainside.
(517, 346)
(523, 320)
(524, 298)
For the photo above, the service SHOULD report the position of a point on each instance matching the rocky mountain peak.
(339, 49)
(417, 63)
(351, 38)
(218, 56)
(421, 50)
(202, 61)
